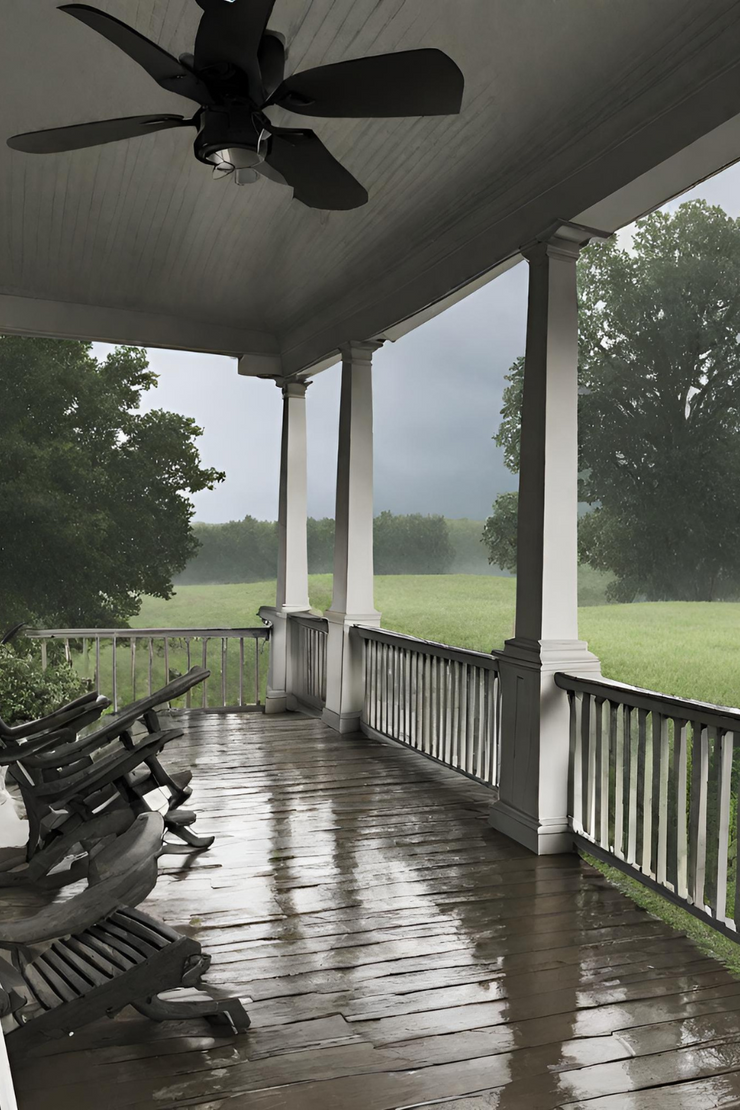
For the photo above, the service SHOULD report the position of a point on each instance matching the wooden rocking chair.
(66, 780)
(105, 954)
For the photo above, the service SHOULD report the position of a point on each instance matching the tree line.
(246, 550)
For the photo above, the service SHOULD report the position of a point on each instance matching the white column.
(7, 1093)
(352, 600)
(292, 574)
(533, 791)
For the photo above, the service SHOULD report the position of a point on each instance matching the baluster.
(420, 702)
(85, 658)
(151, 663)
(698, 813)
(723, 761)
(433, 736)
(482, 726)
(374, 704)
(455, 716)
(631, 755)
(114, 676)
(415, 699)
(589, 767)
(379, 686)
(580, 710)
(393, 682)
(166, 659)
(204, 657)
(601, 738)
(241, 670)
(645, 746)
(427, 702)
(133, 667)
(224, 649)
(616, 736)
(463, 730)
(188, 698)
(67, 652)
(449, 708)
(97, 664)
(257, 690)
(44, 659)
(366, 680)
(661, 757)
(383, 688)
(404, 695)
(736, 908)
(680, 756)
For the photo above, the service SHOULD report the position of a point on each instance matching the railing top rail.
(260, 633)
(684, 709)
(428, 647)
(310, 620)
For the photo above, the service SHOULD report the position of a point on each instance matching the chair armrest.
(24, 753)
(175, 689)
(91, 703)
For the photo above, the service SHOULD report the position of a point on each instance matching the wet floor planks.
(397, 952)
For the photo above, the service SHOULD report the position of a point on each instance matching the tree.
(94, 495)
(659, 372)
(499, 532)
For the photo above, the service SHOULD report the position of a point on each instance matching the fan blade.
(166, 70)
(410, 83)
(318, 180)
(271, 58)
(232, 33)
(82, 135)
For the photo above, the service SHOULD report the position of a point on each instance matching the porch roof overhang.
(579, 110)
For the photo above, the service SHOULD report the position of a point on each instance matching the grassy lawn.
(690, 649)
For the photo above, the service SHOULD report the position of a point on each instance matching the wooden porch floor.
(398, 952)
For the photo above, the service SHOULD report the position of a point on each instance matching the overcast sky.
(437, 401)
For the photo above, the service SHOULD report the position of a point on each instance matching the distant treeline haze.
(246, 550)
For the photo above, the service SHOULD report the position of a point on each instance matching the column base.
(344, 723)
(276, 703)
(545, 837)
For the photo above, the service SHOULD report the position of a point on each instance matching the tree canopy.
(659, 411)
(95, 503)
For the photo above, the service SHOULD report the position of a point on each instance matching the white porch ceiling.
(566, 102)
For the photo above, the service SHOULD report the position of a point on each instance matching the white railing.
(442, 701)
(653, 790)
(123, 663)
(307, 646)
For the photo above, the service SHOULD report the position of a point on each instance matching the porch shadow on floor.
(393, 950)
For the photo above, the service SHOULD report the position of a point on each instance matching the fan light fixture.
(236, 73)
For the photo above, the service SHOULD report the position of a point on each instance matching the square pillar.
(292, 573)
(533, 789)
(352, 599)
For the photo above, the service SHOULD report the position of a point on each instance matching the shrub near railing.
(653, 790)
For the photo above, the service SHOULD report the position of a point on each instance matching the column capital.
(360, 350)
(563, 240)
(292, 388)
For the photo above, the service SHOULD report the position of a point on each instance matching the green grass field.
(689, 649)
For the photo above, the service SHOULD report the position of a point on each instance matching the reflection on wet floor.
(397, 952)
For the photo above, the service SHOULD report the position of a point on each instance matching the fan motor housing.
(223, 128)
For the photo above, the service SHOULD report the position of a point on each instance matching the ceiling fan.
(236, 73)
